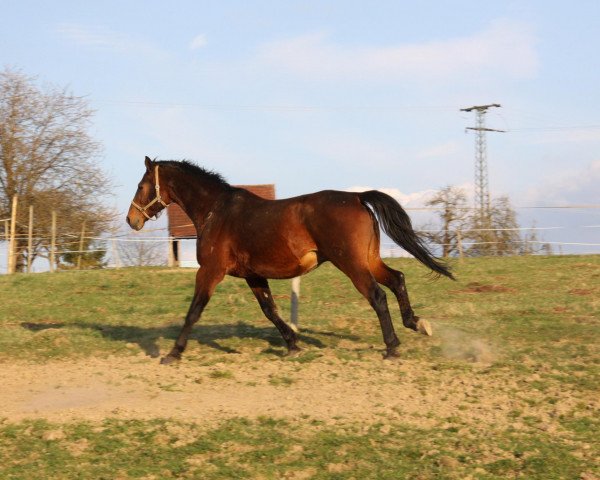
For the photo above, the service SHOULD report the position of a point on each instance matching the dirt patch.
(581, 291)
(331, 390)
(476, 287)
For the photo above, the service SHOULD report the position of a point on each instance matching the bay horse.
(246, 236)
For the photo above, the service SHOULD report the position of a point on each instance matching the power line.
(285, 108)
(554, 129)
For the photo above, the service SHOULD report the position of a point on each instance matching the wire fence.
(155, 247)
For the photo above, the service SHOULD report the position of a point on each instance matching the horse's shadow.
(205, 334)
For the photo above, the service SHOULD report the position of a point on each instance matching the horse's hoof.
(169, 360)
(424, 327)
(293, 352)
(391, 354)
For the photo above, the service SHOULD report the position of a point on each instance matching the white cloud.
(415, 199)
(100, 37)
(408, 200)
(505, 48)
(199, 41)
(568, 188)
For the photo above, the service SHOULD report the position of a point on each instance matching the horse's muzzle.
(135, 223)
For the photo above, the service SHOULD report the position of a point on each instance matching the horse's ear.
(148, 163)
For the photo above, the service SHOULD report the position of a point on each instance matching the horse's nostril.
(128, 221)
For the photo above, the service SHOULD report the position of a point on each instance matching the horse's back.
(289, 237)
(339, 222)
(318, 215)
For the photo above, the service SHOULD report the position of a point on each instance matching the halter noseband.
(158, 198)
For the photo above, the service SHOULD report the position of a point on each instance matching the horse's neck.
(195, 196)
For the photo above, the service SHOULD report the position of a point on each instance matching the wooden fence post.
(115, 253)
(81, 245)
(12, 254)
(30, 239)
(53, 242)
(171, 254)
(459, 244)
(7, 240)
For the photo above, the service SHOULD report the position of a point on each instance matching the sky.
(311, 95)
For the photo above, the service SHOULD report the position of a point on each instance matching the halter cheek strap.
(158, 198)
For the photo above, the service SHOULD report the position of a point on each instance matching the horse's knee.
(398, 281)
(377, 297)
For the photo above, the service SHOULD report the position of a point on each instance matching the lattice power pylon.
(482, 188)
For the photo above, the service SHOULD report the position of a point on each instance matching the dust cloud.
(457, 344)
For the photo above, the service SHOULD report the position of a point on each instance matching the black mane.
(190, 168)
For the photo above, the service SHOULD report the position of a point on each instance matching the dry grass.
(507, 386)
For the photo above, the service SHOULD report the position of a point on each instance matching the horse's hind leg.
(394, 280)
(367, 286)
(262, 292)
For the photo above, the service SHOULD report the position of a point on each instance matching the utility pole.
(482, 189)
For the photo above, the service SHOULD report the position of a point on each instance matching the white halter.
(158, 198)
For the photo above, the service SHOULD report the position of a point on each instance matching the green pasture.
(535, 319)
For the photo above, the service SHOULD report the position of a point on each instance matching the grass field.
(506, 388)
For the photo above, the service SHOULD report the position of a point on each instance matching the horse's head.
(150, 198)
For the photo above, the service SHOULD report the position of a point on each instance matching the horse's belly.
(279, 267)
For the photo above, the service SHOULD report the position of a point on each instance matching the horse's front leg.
(206, 281)
(262, 292)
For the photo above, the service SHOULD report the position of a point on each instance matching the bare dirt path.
(326, 389)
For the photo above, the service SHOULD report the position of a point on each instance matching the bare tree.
(494, 234)
(47, 158)
(532, 244)
(453, 214)
(143, 253)
(498, 234)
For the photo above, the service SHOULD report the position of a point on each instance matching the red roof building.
(182, 228)
(180, 225)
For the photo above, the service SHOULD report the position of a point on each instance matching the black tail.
(396, 224)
